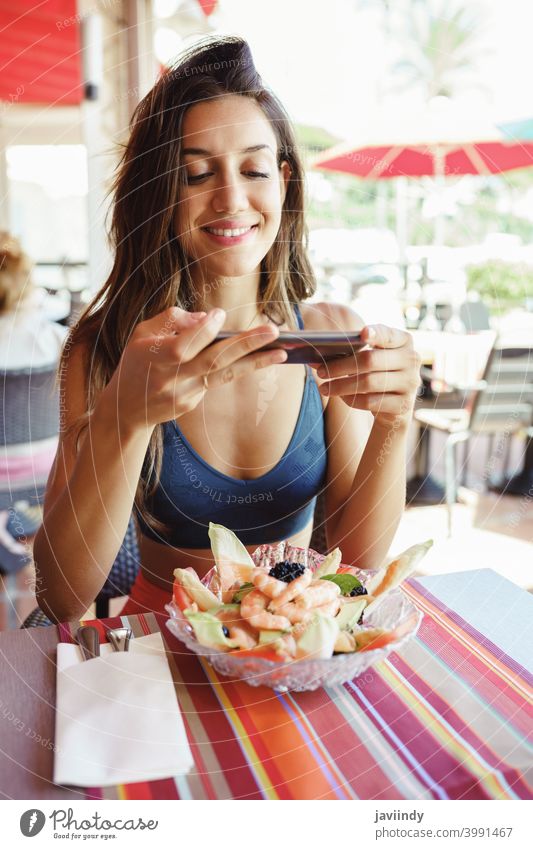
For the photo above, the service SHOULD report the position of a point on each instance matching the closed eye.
(197, 178)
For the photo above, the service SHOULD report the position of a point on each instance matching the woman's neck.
(237, 296)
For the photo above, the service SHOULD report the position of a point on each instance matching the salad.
(289, 611)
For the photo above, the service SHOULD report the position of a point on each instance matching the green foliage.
(502, 283)
(314, 139)
(441, 48)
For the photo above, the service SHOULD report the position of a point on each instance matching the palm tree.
(439, 47)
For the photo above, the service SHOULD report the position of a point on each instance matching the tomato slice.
(266, 652)
(386, 637)
(181, 597)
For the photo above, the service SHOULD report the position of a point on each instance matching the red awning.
(40, 58)
(208, 6)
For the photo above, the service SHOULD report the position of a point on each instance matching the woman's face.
(230, 206)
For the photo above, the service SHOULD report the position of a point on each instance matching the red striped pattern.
(450, 717)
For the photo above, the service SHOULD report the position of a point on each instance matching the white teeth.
(229, 233)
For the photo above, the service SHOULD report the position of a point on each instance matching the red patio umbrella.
(442, 140)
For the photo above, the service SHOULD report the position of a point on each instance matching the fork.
(119, 638)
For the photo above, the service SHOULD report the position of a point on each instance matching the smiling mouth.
(238, 231)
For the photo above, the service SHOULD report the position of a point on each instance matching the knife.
(89, 641)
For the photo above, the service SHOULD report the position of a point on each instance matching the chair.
(119, 581)
(500, 403)
(475, 316)
(29, 411)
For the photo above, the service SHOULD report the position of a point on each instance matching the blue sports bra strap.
(299, 318)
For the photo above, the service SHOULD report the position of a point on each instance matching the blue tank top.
(191, 493)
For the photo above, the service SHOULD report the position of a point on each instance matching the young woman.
(209, 231)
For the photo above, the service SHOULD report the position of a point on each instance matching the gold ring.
(206, 384)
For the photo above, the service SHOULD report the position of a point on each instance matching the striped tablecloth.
(448, 718)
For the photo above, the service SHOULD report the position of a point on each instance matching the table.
(447, 718)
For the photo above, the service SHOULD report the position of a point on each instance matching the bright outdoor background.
(344, 69)
(408, 251)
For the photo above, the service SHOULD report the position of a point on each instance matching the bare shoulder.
(330, 316)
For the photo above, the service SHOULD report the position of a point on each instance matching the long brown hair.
(151, 271)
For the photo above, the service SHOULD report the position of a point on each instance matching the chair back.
(29, 415)
(29, 405)
(475, 316)
(505, 404)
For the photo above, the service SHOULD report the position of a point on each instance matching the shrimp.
(267, 584)
(239, 630)
(320, 592)
(331, 608)
(294, 589)
(253, 609)
(294, 613)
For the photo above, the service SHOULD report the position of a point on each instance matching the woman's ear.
(284, 177)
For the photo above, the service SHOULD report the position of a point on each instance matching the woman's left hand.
(382, 379)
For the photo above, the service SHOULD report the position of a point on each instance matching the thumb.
(381, 336)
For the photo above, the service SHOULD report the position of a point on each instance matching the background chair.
(475, 316)
(501, 403)
(29, 411)
(29, 415)
(119, 582)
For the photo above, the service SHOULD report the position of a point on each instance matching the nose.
(229, 196)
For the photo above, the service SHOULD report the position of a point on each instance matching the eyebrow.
(200, 151)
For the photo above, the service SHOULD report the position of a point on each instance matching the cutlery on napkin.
(117, 716)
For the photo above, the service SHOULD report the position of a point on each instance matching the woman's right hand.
(161, 372)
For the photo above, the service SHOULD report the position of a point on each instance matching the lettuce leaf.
(190, 581)
(344, 581)
(330, 564)
(232, 560)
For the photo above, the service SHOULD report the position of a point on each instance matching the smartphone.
(310, 346)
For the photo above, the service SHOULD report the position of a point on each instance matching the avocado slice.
(350, 613)
(209, 632)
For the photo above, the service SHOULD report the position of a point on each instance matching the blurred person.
(163, 420)
(27, 340)
(27, 337)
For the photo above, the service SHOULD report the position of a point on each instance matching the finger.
(223, 354)
(376, 404)
(373, 359)
(169, 322)
(244, 366)
(187, 344)
(381, 336)
(378, 381)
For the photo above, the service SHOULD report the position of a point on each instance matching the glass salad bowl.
(304, 674)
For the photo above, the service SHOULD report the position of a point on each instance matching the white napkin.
(117, 716)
